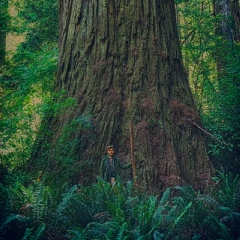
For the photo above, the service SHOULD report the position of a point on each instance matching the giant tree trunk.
(121, 61)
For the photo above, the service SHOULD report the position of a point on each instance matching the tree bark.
(235, 12)
(122, 63)
(3, 29)
(228, 28)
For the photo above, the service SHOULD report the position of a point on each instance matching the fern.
(66, 198)
(41, 202)
(219, 228)
(13, 225)
(77, 234)
(177, 220)
(32, 234)
(28, 233)
(123, 232)
(187, 192)
(158, 214)
(116, 212)
(39, 232)
(12, 218)
(229, 190)
(157, 235)
(146, 211)
(98, 230)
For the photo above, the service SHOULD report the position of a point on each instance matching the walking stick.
(133, 160)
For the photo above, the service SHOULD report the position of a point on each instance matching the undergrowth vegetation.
(101, 211)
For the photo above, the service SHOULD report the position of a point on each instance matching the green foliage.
(38, 20)
(33, 201)
(224, 116)
(212, 63)
(229, 190)
(32, 234)
(102, 211)
(228, 196)
(4, 15)
(200, 216)
(30, 209)
(13, 227)
(27, 78)
(26, 90)
(119, 213)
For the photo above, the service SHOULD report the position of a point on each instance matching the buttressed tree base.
(121, 62)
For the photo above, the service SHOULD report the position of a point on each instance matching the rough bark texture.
(121, 61)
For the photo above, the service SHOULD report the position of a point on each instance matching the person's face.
(110, 151)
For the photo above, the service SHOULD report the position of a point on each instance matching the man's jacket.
(105, 167)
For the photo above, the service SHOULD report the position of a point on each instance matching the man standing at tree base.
(110, 166)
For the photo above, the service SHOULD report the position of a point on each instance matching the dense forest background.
(38, 204)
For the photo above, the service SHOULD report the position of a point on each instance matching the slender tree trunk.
(224, 28)
(235, 12)
(229, 29)
(3, 29)
(121, 61)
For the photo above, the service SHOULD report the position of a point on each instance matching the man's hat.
(110, 146)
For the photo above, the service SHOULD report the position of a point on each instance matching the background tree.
(3, 29)
(122, 64)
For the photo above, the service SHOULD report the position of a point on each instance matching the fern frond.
(158, 215)
(177, 220)
(157, 235)
(208, 201)
(28, 233)
(76, 234)
(116, 212)
(32, 234)
(186, 192)
(122, 232)
(146, 211)
(39, 232)
(66, 197)
(97, 230)
(12, 218)
(219, 227)
(165, 197)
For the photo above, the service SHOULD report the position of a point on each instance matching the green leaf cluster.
(102, 211)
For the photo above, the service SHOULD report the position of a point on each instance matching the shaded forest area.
(47, 196)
